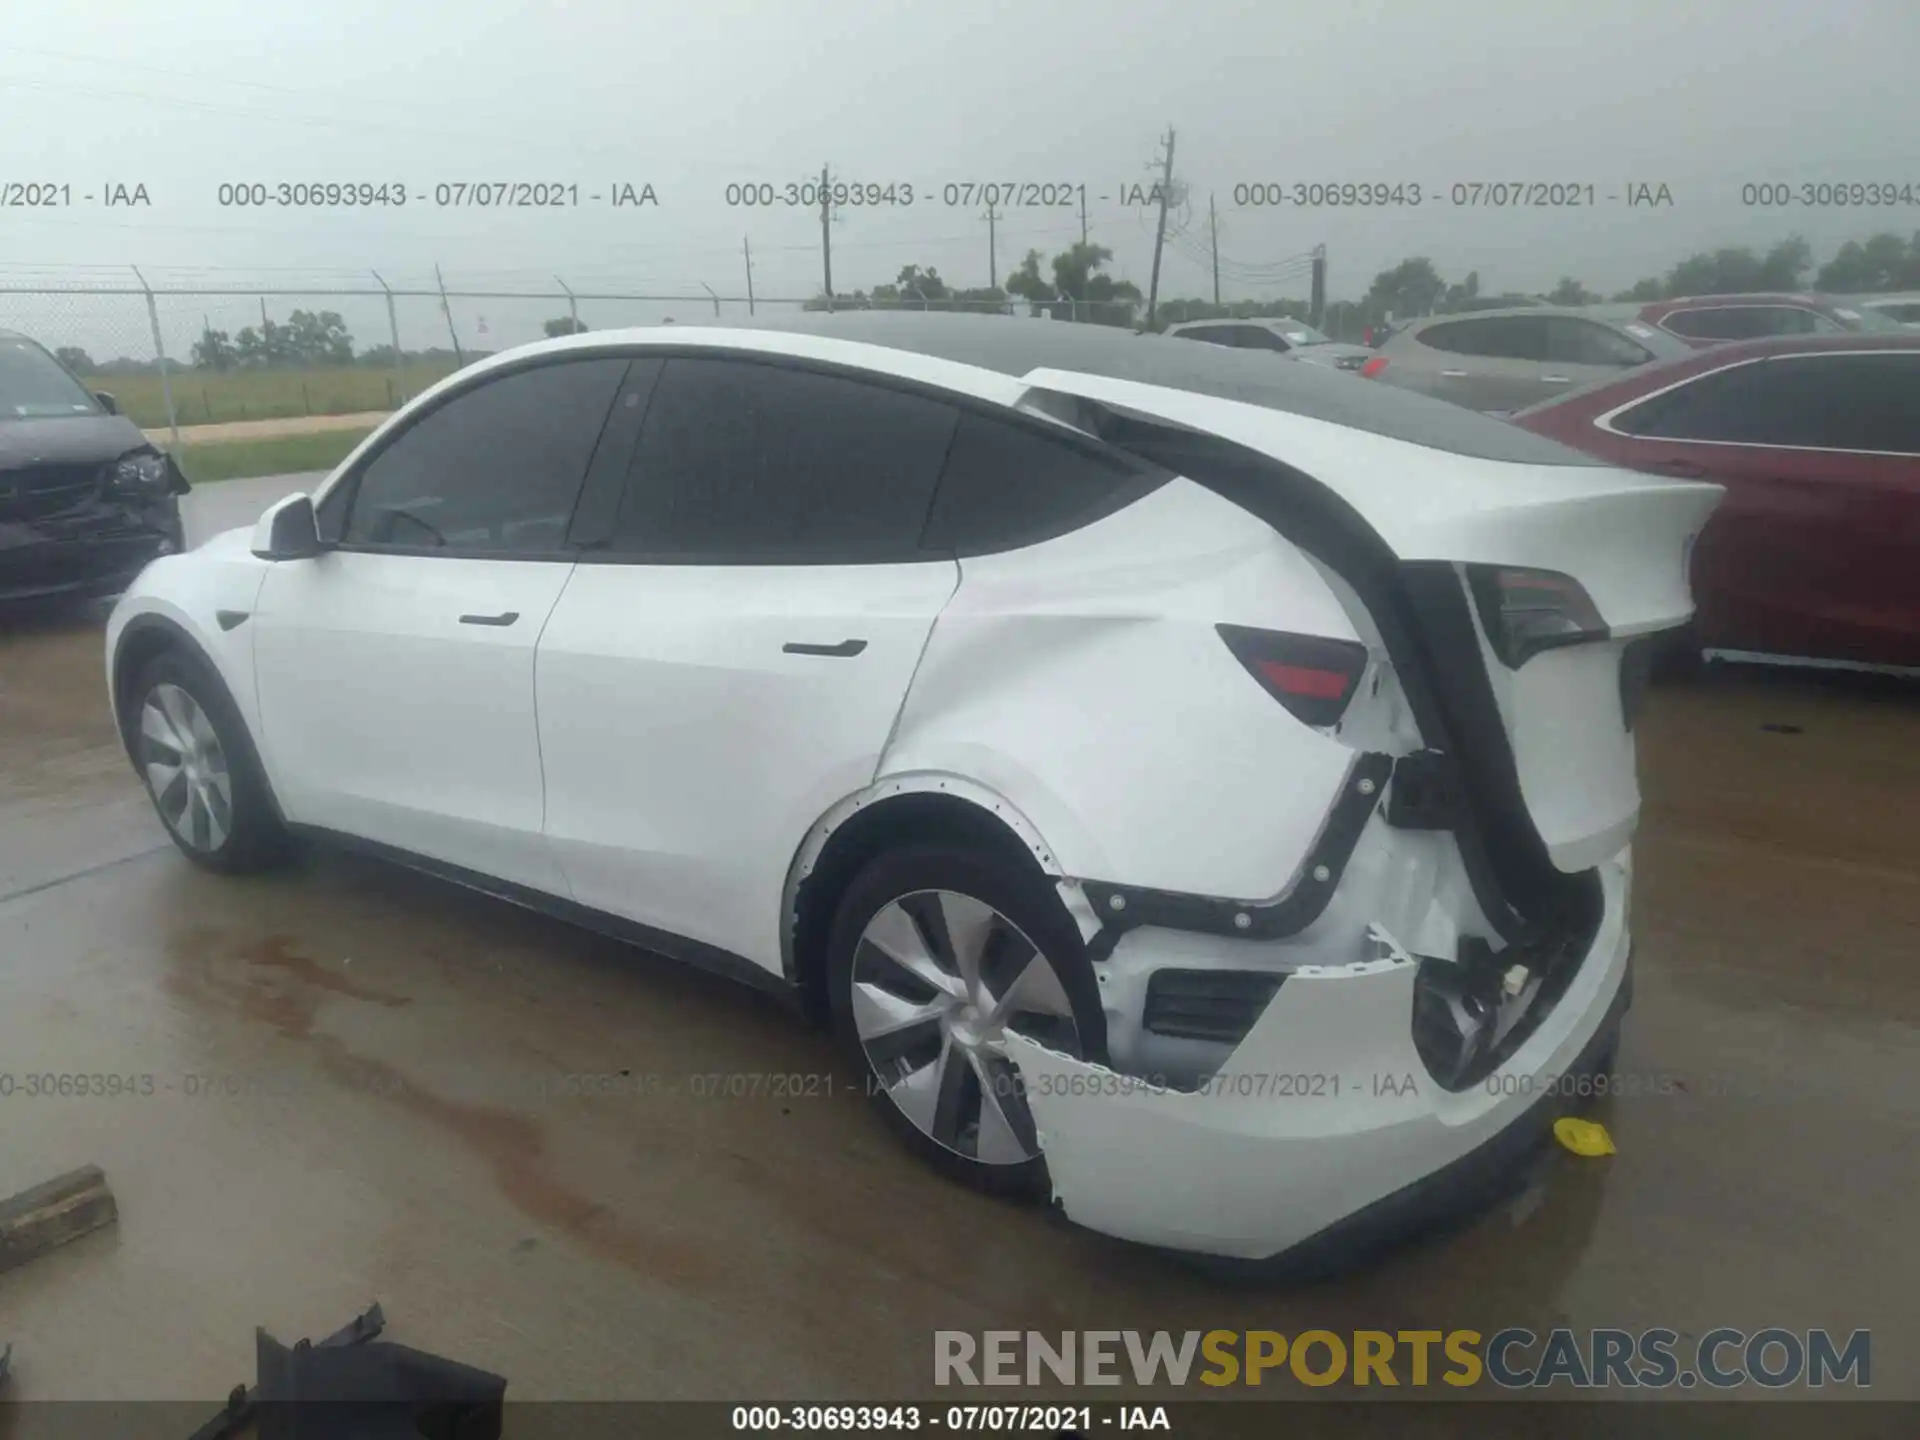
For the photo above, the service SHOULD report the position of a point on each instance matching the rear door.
(1487, 362)
(395, 670)
(728, 661)
(1582, 352)
(1813, 552)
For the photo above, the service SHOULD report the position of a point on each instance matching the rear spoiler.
(1627, 537)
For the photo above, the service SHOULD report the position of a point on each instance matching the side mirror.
(111, 405)
(288, 531)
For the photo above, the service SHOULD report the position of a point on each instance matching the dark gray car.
(1500, 360)
(85, 499)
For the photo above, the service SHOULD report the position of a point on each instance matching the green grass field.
(206, 397)
(282, 455)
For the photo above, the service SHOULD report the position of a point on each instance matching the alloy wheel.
(938, 979)
(186, 768)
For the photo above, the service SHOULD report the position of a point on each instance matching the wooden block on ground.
(48, 1216)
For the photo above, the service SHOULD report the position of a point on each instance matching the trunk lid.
(1546, 747)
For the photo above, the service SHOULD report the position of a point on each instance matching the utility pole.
(1083, 214)
(1317, 304)
(826, 235)
(1213, 232)
(1160, 231)
(993, 260)
(746, 249)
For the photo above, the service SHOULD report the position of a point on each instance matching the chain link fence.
(175, 359)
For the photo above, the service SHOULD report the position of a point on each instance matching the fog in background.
(1701, 95)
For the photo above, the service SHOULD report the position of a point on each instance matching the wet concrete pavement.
(347, 1082)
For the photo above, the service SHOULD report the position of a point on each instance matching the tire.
(921, 1028)
(192, 751)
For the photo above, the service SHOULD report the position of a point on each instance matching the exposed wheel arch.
(904, 810)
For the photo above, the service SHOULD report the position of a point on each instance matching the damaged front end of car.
(81, 528)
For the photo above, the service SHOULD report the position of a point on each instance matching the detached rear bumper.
(1323, 1137)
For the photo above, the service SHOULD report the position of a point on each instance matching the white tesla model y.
(1195, 790)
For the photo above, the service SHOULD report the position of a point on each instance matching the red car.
(1815, 552)
(1703, 320)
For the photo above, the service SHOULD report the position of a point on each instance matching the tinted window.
(1258, 337)
(1840, 401)
(1507, 337)
(1211, 334)
(1581, 342)
(1006, 486)
(1748, 322)
(758, 462)
(495, 470)
(1905, 313)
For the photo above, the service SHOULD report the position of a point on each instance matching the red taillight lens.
(1527, 611)
(1373, 367)
(1312, 676)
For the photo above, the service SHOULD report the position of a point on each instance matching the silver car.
(1501, 360)
(1904, 307)
(1295, 339)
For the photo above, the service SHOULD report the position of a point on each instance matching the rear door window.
(1582, 342)
(1502, 337)
(750, 462)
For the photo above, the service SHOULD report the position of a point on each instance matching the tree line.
(1073, 285)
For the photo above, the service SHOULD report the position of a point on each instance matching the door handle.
(841, 651)
(1557, 379)
(1453, 374)
(505, 618)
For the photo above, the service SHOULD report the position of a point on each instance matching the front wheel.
(936, 953)
(190, 747)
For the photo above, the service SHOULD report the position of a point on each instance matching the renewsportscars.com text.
(1720, 1359)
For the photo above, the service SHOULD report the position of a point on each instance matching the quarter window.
(496, 470)
(1006, 486)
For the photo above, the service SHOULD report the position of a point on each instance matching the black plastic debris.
(350, 1387)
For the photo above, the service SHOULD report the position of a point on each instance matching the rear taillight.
(1312, 676)
(1527, 611)
(1373, 367)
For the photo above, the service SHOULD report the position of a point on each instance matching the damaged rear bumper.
(1323, 1137)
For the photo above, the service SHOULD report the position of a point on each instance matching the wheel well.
(138, 650)
(869, 833)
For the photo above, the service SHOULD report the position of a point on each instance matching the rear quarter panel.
(1083, 680)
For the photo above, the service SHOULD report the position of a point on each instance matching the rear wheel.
(936, 953)
(191, 748)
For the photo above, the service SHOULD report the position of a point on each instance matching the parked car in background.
(1293, 338)
(1501, 360)
(1815, 552)
(1704, 320)
(85, 499)
(772, 647)
(1904, 307)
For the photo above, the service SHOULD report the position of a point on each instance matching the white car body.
(638, 746)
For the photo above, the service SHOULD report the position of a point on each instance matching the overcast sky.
(1701, 95)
